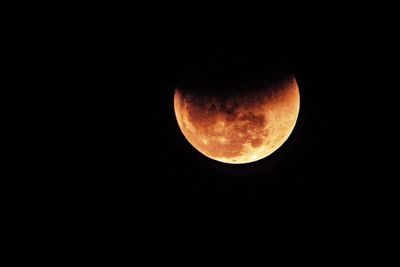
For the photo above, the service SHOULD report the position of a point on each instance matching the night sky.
(99, 168)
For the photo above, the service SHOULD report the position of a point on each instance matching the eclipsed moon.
(239, 128)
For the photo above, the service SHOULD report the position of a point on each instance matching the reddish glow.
(242, 128)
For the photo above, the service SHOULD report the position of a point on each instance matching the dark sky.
(99, 168)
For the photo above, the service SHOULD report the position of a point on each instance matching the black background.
(99, 168)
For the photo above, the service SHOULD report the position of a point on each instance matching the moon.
(241, 127)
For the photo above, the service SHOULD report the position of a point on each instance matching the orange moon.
(240, 128)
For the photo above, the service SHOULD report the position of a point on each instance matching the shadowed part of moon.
(242, 127)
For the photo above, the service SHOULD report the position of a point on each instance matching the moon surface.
(242, 127)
